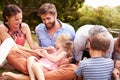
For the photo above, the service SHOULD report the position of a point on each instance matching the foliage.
(70, 11)
(106, 16)
(67, 9)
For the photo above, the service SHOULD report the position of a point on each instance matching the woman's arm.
(37, 51)
(26, 30)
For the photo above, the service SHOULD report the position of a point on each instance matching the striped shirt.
(98, 68)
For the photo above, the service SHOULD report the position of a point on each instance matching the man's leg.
(65, 72)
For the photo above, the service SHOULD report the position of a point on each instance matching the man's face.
(48, 20)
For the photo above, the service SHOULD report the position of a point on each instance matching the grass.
(34, 39)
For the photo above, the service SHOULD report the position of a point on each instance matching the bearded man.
(51, 27)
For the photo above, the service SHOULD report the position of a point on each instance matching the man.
(82, 36)
(47, 33)
(51, 27)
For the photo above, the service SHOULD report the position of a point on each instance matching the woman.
(19, 31)
(14, 26)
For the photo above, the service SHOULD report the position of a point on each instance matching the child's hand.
(50, 49)
(38, 51)
(116, 73)
(43, 52)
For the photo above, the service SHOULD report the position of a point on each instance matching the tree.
(67, 9)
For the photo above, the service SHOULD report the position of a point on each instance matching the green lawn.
(34, 39)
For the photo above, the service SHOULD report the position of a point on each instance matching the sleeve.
(5, 47)
(80, 42)
(78, 71)
(72, 33)
(37, 34)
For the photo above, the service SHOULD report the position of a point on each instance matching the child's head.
(117, 64)
(100, 42)
(64, 41)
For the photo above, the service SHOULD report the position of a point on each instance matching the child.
(116, 71)
(97, 67)
(50, 61)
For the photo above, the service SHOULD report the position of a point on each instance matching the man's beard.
(50, 26)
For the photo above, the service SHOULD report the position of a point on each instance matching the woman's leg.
(5, 48)
(30, 62)
(6, 44)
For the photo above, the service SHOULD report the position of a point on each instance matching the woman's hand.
(39, 52)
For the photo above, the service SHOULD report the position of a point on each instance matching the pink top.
(18, 37)
(49, 64)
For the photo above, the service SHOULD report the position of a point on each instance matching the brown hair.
(10, 10)
(118, 40)
(66, 42)
(47, 8)
(100, 42)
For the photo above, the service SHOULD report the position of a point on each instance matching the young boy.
(97, 67)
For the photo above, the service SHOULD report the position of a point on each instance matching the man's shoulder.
(66, 24)
(40, 26)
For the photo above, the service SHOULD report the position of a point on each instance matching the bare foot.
(15, 76)
(9, 75)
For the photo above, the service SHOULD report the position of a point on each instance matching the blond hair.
(66, 42)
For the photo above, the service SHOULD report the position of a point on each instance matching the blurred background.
(74, 12)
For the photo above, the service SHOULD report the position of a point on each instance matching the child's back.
(97, 67)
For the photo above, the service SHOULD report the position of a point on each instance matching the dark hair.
(47, 8)
(9, 11)
(118, 40)
(100, 42)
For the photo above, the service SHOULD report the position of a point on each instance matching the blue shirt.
(44, 39)
(97, 68)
